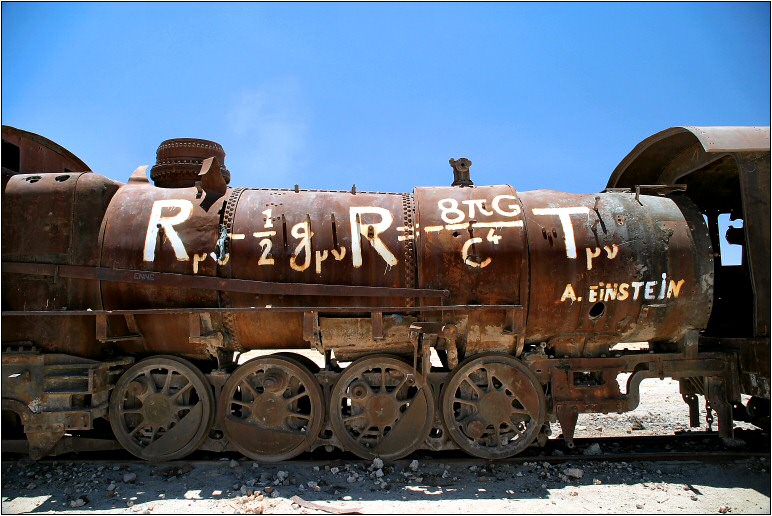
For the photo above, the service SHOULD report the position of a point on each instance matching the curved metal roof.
(646, 162)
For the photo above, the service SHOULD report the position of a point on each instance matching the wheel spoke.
(296, 397)
(151, 382)
(168, 382)
(352, 418)
(140, 426)
(184, 389)
(249, 387)
(465, 402)
(399, 386)
(474, 387)
(383, 380)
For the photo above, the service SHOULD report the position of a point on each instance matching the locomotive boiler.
(131, 303)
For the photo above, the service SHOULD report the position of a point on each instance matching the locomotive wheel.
(161, 408)
(493, 406)
(380, 407)
(271, 408)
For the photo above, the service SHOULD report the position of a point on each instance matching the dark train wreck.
(125, 305)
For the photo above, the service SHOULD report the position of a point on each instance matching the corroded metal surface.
(614, 267)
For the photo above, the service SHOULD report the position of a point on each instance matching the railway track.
(687, 446)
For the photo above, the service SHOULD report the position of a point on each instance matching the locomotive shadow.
(178, 486)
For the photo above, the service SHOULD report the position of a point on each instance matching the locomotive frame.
(394, 324)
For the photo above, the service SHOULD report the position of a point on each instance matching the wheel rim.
(161, 409)
(493, 406)
(272, 408)
(380, 407)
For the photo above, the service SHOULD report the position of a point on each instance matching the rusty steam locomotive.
(129, 303)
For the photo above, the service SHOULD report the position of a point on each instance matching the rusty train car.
(130, 303)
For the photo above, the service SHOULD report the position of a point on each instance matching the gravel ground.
(408, 486)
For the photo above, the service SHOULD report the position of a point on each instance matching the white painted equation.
(367, 222)
(456, 220)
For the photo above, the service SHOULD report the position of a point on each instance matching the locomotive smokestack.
(461, 172)
(178, 162)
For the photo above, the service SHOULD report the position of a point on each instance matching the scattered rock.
(129, 478)
(573, 472)
(593, 449)
(377, 463)
(79, 502)
(724, 509)
(234, 463)
(414, 465)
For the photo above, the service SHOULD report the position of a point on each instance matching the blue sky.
(326, 95)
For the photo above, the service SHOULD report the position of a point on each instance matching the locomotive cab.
(726, 172)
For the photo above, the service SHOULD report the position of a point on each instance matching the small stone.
(694, 498)
(573, 472)
(216, 493)
(129, 478)
(347, 498)
(31, 485)
(129, 504)
(334, 471)
(519, 474)
(414, 465)
(639, 506)
(377, 463)
(268, 489)
(596, 481)
(593, 449)
(724, 509)
(557, 453)
(80, 502)
(274, 494)
(378, 473)
(445, 474)
(316, 468)
(234, 463)
(637, 424)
